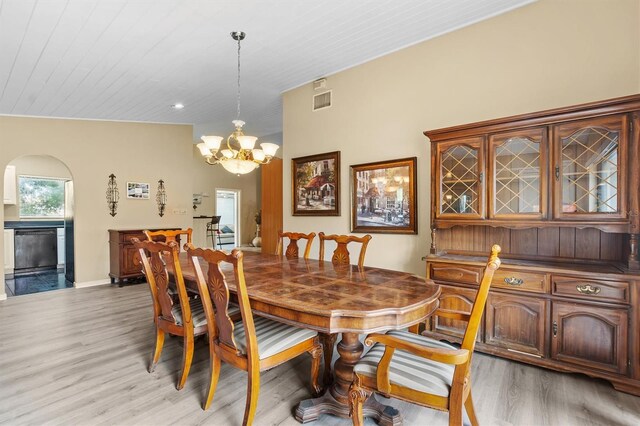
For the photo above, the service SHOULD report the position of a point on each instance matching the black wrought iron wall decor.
(161, 198)
(113, 195)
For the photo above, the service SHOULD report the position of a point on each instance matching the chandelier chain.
(238, 100)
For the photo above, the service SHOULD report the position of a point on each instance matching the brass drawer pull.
(587, 289)
(514, 281)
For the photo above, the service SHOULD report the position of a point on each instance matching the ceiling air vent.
(322, 101)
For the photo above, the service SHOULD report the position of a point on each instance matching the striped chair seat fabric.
(409, 370)
(273, 337)
(197, 312)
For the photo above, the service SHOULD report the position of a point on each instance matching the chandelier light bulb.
(258, 155)
(247, 142)
(203, 149)
(212, 142)
(269, 149)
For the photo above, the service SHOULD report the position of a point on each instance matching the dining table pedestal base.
(335, 400)
(310, 410)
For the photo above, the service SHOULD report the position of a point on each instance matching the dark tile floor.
(36, 282)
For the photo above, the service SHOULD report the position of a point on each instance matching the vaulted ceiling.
(131, 60)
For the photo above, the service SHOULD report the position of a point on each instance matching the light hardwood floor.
(79, 357)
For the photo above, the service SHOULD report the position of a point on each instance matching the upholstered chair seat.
(409, 370)
(197, 312)
(273, 337)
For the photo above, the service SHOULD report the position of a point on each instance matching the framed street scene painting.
(384, 197)
(316, 185)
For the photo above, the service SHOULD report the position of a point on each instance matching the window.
(41, 197)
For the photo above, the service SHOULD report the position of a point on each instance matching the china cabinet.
(559, 190)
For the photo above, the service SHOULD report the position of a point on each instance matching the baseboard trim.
(92, 283)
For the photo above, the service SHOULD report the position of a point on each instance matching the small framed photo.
(384, 197)
(137, 190)
(315, 182)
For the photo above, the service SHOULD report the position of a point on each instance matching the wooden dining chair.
(252, 344)
(186, 318)
(341, 253)
(422, 370)
(292, 251)
(340, 256)
(170, 235)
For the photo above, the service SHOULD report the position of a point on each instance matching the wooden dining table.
(333, 299)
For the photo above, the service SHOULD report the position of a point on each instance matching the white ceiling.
(130, 60)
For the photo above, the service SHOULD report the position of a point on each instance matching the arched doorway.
(38, 225)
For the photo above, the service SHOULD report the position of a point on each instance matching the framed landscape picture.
(384, 197)
(315, 182)
(137, 190)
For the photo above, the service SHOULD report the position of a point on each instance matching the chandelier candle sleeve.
(240, 155)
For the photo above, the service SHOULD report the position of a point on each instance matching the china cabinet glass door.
(518, 174)
(589, 171)
(461, 165)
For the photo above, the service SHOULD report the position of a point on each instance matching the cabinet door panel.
(516, 323)
(131, 264)
(590, 336)
(460, 181)
(454, 299)
(518, 170)
(589, 169)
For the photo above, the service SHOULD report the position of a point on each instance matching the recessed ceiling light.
(177, 106)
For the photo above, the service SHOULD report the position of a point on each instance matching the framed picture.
(137, 190)
(384, 197)
(315, 182)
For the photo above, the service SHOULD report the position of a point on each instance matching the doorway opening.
(228, 208)
(38, 225)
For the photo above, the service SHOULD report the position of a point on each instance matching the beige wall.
(35, 165)
(549, 54)
(92, 150)
(207, 178)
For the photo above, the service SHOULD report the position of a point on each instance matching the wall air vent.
(322, 101)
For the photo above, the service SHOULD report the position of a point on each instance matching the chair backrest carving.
(170, 235)
(341, 253)
(292, 250)
(214, 291)
(156, 258)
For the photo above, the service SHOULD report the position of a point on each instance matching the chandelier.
(239, 156)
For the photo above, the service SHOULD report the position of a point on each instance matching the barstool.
(213, 230)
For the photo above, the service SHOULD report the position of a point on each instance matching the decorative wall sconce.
(161, 198)
(113, 195)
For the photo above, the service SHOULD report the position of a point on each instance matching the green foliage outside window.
(41, 197)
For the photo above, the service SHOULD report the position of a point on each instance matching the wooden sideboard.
(123, 265)
(558, 190)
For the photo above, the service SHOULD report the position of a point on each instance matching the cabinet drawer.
(455, 273)
(613, 291)
(126, 237)
(517, 280)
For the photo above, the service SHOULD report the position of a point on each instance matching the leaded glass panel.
(517, 176)
(590, 171)
(460, 180)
